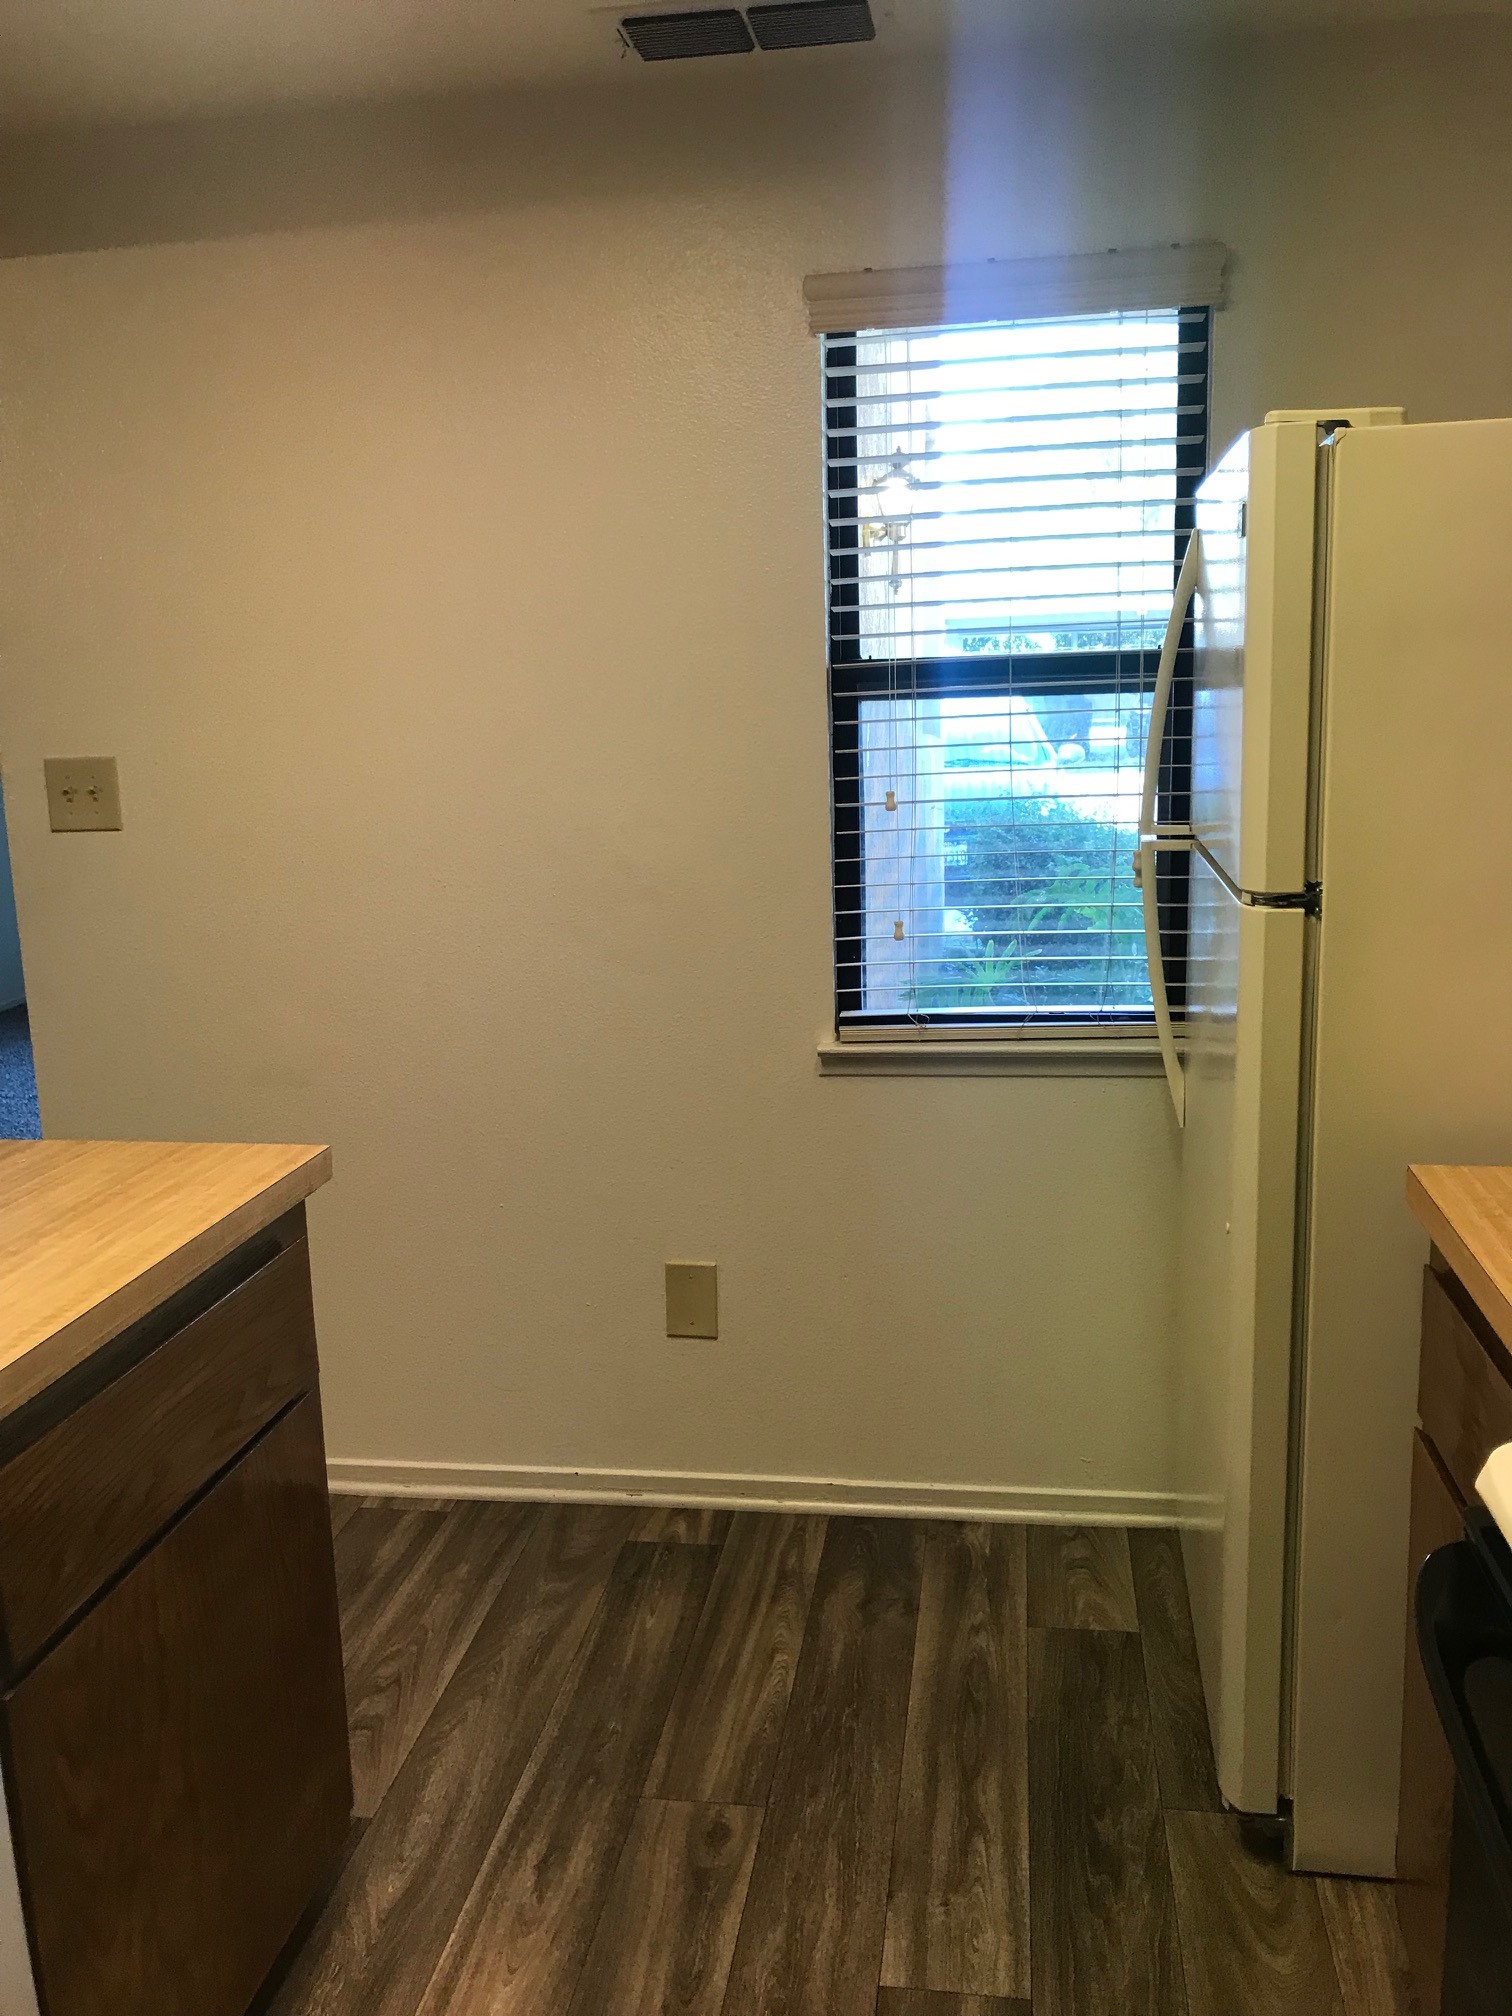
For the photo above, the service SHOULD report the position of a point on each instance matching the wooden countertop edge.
(1488, 1297)
(49, 1359)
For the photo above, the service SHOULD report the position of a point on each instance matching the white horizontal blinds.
(1004, 516)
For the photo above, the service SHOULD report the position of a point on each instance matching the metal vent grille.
(810, 24)
(711, 31)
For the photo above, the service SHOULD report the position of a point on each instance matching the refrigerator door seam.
(1328, 439)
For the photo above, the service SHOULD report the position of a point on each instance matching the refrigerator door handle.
(1188, 582)
(1144, 874)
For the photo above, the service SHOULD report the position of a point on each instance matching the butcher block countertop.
(95, 1234)
(1467, 1213)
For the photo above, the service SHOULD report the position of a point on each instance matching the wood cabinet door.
(81, 1500)
(177, 1764)
(1464, 1383)
(1425, 1816)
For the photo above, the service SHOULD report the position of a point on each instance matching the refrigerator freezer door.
(1412, 1034)
(1239, 1160)
(1253, 676)
(1253, 669)
(1349, 416)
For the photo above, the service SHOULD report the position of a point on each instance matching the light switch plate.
(83, 794)
(692, 1298)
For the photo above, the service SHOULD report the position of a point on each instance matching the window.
(1007, 506)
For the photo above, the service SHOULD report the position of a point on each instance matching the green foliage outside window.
(1053, 913)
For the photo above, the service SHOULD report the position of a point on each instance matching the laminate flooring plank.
(1178, 1709)
(377, 1943)
(524, 1933)
(374, 1549)
(1080, 1579)
(934, 2002)
(667, 1935)
(398, 1666)
(424, 1501)
(343, 1505)
(697, 1525)
(958, 1913)
(1103, 1923)
(811, 1937)
(1369, 1957)
(1252, 1934)
(720, 1741)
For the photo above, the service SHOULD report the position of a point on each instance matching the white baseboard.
(1053, 1505)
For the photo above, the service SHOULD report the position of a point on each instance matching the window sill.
(1001, 1057)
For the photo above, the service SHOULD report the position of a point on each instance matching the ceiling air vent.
(712, 31)
(808, 24)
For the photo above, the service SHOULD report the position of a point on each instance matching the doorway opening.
(19, 1117)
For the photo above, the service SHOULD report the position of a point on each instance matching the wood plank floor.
(618, 1761)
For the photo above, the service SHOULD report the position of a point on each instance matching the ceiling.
(63, 61)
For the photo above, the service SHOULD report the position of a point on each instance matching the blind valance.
(1005, 290)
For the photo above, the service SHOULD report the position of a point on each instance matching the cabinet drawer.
(79, 1502)
(177, 1764)
(1464, 1387)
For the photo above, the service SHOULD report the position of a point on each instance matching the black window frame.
(852, 679)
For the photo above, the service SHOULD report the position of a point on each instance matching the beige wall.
(425, 509)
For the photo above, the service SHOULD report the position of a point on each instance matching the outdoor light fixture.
(893, 492)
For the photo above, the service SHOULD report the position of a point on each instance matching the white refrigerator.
(1348, 1010)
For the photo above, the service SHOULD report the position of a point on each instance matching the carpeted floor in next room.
(19, 1119)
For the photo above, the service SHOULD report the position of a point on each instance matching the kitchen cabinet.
(172, 1716)
(1464, 1412)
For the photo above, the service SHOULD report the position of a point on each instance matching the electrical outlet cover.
(692, 1298)
(83, 794)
